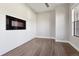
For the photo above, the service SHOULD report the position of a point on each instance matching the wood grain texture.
(43, 47)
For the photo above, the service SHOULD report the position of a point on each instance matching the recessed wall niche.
(13, 23)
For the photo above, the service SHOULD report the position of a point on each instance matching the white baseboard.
(62, 41)
(4, 52)
(65, 41)
(69, 43)
(73, 46)
(45, 37)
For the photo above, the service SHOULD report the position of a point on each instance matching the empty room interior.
(39, 29)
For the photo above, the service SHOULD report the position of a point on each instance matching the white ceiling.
(41, 7)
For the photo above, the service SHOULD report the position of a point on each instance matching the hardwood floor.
(43, 47)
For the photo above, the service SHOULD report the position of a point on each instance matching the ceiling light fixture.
(47, 5)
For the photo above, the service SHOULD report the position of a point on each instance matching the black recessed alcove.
(13, 23)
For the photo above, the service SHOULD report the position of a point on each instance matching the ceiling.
(41, 7)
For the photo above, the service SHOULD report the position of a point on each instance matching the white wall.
(62, 23)
(74, 41)
(9, 39)
(54, 24)
(46, 24)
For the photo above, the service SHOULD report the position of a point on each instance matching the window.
(75, 21)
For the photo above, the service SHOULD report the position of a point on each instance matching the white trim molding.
(73, 46)
(45, 37)
(69, 43)
(65, 41)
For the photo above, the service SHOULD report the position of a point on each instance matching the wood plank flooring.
(43, 47)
